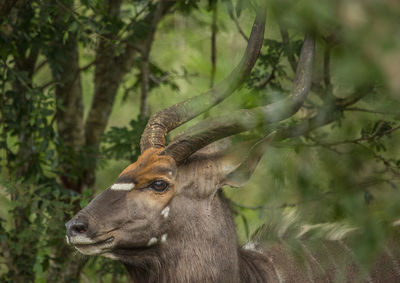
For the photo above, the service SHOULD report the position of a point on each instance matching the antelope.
(165, 217)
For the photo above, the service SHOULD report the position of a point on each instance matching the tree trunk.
(69, 120)
(69, 113)
(21, 260)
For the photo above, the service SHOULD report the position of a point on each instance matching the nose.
(76, 227)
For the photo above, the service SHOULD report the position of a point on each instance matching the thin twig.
(267, 79)
(160, 80)
(87, 66)
(144, 70)
(364, 138)
(233, 16)
(213, 43)
(40, 65)
(262, 207)
(389, 166)
(327, 60)
(84, 68)
(235, 20)
(46, 85)
(327, 146)
(369, 111)
(286, 42)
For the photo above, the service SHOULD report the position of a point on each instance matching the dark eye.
(159, 186)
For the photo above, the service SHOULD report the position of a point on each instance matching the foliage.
(62, 63)
(123, 142)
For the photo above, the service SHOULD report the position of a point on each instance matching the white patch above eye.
(122, 186)
(152, 241)
(164, 238)
(165, 212)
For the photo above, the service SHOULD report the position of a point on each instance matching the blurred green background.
(74, 102)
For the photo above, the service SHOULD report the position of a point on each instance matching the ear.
(241, 160)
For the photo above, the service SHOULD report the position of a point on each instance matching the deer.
(166, 219)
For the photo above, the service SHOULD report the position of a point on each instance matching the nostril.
(75, 228)
(79, 228)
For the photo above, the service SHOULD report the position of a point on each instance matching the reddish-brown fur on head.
(150, 167)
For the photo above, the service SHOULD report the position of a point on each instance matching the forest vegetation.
(79, 80)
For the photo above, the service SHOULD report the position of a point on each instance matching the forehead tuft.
(149, 159)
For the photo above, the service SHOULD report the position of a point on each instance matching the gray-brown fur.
(201, 243)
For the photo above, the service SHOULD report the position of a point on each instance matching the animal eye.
(159, 186)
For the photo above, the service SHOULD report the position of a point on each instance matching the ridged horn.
(169, 118)
(213, 129)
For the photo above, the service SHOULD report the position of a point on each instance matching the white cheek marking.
(164, 238)
(165, 212)
(152, 241)
(122, 187)
(250, 246)
(67, 239)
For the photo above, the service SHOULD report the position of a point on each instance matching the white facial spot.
(122, 187)
(152, 241)
(165, 212)
(164, 238)
(67, 239)
(170, 173)
(110, 255)
(250, 246)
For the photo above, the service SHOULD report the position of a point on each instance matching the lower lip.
(106, 243)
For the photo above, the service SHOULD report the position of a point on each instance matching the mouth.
(90, 247)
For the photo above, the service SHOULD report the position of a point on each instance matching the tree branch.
(363, 138)
(369, 111)
(145, 72)
(40, 65)
(78, 71)
(324, 117)
(327, 60)
(359, 93)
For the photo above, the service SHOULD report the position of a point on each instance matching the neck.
(203, 249)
